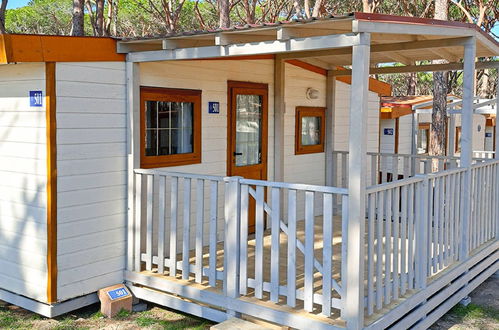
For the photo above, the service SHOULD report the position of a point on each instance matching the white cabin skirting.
(47, 310)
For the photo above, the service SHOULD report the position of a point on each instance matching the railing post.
(421, 244)
(232, 238)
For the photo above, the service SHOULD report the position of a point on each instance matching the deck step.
(238, 324)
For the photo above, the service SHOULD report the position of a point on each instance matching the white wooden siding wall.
(341, 124)
(307, 168)
(91, 162)
(387, 142)
(489, 141)
(211, 78)
(405, 134)
(23, 179)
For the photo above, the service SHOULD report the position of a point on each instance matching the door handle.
(238, 153)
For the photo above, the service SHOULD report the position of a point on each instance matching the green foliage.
(473, 311)
(7, 320)
(40, 17)
(123, 314)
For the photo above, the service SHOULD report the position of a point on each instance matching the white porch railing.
(387, 167)
(414, 228)
(196, 227)
(483, 154)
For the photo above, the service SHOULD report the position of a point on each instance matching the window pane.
(169, 128)
(248, 129)
(151, 142)
(310, 131)
(422, 141)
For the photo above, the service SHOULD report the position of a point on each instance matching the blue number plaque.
(214, 107)
(35, 98)
(118, 293)
(388, 131)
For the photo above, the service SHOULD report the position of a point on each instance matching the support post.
(414, 144)
(496, 127)
(279, 111)
(232, 239)
(133, 153)
(467, 141)
(354, 280)
(330, 111)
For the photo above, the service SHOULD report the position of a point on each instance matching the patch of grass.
(97, 315)
(7, 320)
(474, 312)
(123, 314)
(146, 319)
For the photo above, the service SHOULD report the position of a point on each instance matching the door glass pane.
(310, 131)
(248, 129)
(169, 128)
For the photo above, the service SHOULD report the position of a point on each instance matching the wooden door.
(247, 134)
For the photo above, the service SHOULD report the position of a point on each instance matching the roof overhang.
(327, 43)
(15, 48)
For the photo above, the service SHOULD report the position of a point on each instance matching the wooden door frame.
(231, 84)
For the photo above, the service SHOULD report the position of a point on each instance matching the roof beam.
(391, 47)
(420, 68)
(227, 38)
(186, 43)
(256, 48)
(410, 28)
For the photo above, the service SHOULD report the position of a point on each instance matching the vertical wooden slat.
(441, 223)
(291, 299)
(259, 228)
(436, 224)
(173, 225)
(161, 224)
(344, 176)
(138, 222)
(199, 230)
(395, 168)
(374, 169)
(243, 261)
(274, 253)
(388, 246)
(327, 254)
(403, 241)
(149, 215)
(410, 237)
(186, 229)
(371, 218)
(379, 251)
(452, 216)
(396, 252)
(407, 169)
(448, 201)
(431, 196)
(309, 252)
(213, 233)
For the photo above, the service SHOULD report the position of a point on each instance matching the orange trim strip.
(41, 48)
(308, 66)
(50, 102)
(375, 86)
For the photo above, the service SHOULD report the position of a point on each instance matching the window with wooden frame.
(170, 127)
(423, 138)
(309, 130)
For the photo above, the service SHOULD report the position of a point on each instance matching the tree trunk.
(411, 84)
(438, 128)
(3, 9)
(99, 13)
(224, 10)
(78, 18)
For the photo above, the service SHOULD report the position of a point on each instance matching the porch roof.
(324, 42)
